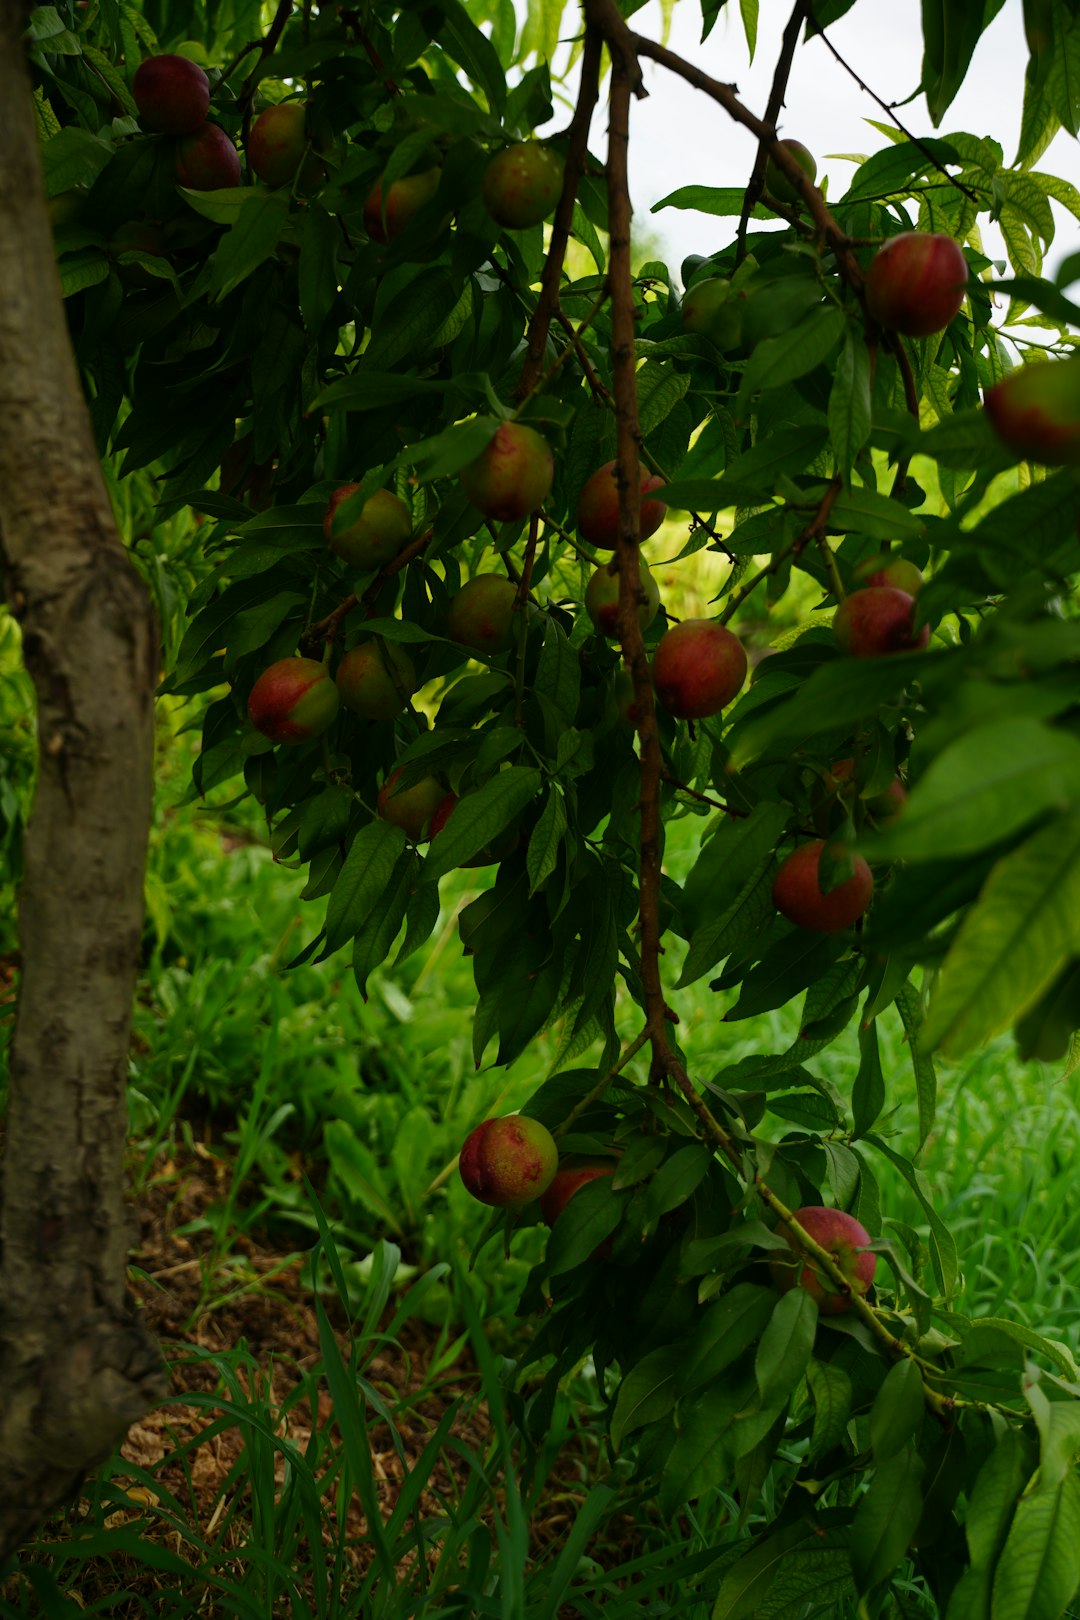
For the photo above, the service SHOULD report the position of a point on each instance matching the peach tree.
(329, 286)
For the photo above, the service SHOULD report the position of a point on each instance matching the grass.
(294, 1096)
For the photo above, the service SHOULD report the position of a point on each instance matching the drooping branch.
(76, 1365)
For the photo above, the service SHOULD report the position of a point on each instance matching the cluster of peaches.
(521, 184)
(511, 1161)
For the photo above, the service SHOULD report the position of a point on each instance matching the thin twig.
(267, 48)
(756, 183)
(816, 29)
(602, 1084)
(540, 324)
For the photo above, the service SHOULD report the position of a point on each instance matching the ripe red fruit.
(373, 538)
(376, 681)
(876, 621)
(404, 201)
(777, 182)
(481, 615)
(598, 508)
(508, 1162)
(1035, 411)
(796, 891)
(293, 701)
(277, 142)
(845, 1238)
(207, 160)
(602, 599)
(410, 808)
(172, 94)
(510, 477)
(916, 283)
(698, 667)
(522, 185)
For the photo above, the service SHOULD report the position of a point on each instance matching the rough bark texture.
(76, 1367)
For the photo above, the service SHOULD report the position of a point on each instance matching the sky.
(679, 137)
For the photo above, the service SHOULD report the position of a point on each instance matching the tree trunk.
(76, 1365)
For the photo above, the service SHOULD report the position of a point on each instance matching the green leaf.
(374, 940)
(830, 1390)
(1013, 941)
(864, 511)
(781, 360)
(473, 51)
(545, 840)
(951, 31)
(701, 1457)
(721, 886)
(787, 967)
(591, 1215)
(942, 1243)
(988, 784)
(711, 200)
(868, 1090)
(367, 871)
(747, 1584)
(888, 172)
(724, 1330)
(250, 241)
(785, 1347)
(558, 673)
(886, 1518)
(897, 1413)
(849, 403)
(479, 817)
(991, 1502)
(1038, 1571)
(648, 1391)
(909, 1006)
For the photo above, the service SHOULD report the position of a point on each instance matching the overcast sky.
(679, 137)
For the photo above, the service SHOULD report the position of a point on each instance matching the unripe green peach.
(376, 680)
(522, 185)
(602, 599)
(777, 182)
(713, 310)
(277, 142)
(410, 808)
(293, 701)
(508, 1162)
(481, 615)
(374, 537)
(512, 475)
(598, 507)
(895, 571)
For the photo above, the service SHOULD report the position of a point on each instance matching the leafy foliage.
(278, 348)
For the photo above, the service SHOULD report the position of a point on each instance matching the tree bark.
(76, 1365)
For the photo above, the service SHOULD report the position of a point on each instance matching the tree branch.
(756, 184)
